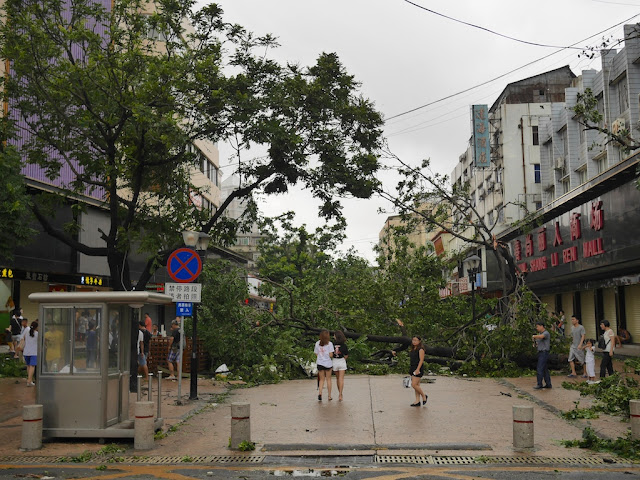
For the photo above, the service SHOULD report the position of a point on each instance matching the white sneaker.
(171, 378)
(31, 384)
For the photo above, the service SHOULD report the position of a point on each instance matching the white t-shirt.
(608, 337)
(140, 339)
(30, 343)
(323, 354)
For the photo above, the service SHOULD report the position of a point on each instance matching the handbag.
(406, 382)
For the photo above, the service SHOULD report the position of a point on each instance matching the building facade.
(510, 188)
(583, 255)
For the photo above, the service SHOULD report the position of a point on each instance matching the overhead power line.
(507, 73)
(535, 44)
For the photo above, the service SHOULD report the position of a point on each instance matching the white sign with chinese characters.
(183, 292)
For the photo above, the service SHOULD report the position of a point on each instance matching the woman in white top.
(324, 352)
(30, 351)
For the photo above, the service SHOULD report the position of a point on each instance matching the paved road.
(181, 472)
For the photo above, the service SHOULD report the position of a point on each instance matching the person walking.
(416, 363)
(576, 353)
(543, 344)
(174, 349)
(30, 351)
(16, 331)
(142, 349)
(606, 366)
(324, 352)
(340, 355)
(148, 323)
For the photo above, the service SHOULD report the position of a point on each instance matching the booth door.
(113, 344)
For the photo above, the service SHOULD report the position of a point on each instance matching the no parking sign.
(184, 265)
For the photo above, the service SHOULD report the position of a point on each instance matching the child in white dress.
(590, 361)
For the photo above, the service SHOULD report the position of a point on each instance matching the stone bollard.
(522, 426)
(240, 424)
(634, 410)
(31, 427)
(143, 426)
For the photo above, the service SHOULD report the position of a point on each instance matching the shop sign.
(6, 273)
(569, 252)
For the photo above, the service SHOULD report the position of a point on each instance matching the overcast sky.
(406, 57)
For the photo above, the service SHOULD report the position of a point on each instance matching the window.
(536, 172)
(534, 132)
(602, 164)
(243, 241)
(565, 186)
(500, 210)
(623, 95)
(582, 175)
(600, 107)
(490, 219)
(538, 205)
(72, 341)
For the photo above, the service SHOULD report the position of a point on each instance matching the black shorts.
(322, 367)
(414, 375)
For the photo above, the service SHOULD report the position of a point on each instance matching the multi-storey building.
(583, 254)
(510, 188)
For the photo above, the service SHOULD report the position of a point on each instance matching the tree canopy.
(119, 95)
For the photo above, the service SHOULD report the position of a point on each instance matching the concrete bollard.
(31, 427)
(634, 410)
(143, 426)
(240, 424)
(522, 426)
(150, 386)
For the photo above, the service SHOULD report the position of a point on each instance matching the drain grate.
(156, 460)
(459, 460)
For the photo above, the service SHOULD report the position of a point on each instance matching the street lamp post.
(473, 267)
(199, 241)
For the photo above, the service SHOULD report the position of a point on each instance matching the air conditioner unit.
(618, 126)
(481, 193)
(559, 163)
(490, 186)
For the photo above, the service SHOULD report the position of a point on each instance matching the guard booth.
(84, 360)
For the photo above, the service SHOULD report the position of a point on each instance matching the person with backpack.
(142, 349)
(605, 343)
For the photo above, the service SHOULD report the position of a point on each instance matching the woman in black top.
(340, 355)
(416, 357)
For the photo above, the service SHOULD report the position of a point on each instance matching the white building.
(510, 188)
(247, 242)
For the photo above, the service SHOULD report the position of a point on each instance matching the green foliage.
(14, 201)
(111, 449)
(612, 394)
(245, 446)
(578, 412)
(187, 459)
(84, 457)
(10, 367)
(491, 367)
(624, 447)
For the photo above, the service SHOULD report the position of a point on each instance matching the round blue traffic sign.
(184, 265)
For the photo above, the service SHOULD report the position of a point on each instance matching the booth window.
(71, 340)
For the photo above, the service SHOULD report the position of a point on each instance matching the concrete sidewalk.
(463, 417)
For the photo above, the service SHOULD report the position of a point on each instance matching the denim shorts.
(142, 360)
